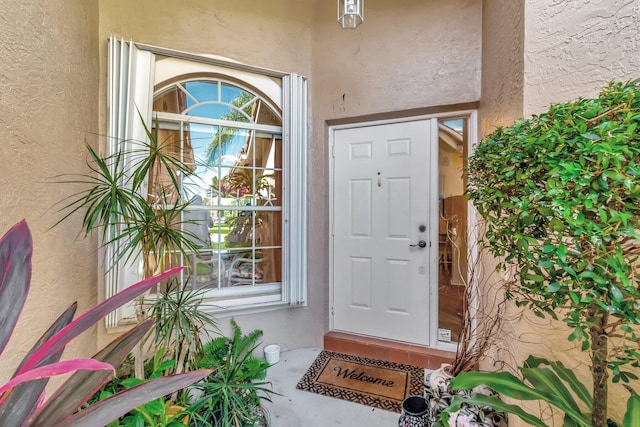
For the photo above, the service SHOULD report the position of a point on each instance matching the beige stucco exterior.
(536, 53)
(574, 48)
(514, 57)
(48, 110)
(375, 71)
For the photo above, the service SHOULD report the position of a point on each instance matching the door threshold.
(389, 351)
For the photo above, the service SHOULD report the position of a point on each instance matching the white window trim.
(130, 95)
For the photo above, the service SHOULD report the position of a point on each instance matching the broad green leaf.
(562, 252)
(569, 377)
(616, 294)
(591, 136)
(549, 384)
(553, 287)
(535, 277)
(556, 225)
(155, 407)
(502, 382)
(105, 411)
(632, 416)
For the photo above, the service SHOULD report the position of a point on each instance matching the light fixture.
(350, 13)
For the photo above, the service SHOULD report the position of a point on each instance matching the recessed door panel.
(380, 200)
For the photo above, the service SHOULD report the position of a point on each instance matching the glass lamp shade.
(350, 13)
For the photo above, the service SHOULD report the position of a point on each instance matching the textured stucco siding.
(573, 48)
(414, 54)
(48, 110)
(407, 54)
(502, 64)
(535, 53)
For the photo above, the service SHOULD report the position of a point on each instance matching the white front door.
(381, 225)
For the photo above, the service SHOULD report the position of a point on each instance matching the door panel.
(381, 186)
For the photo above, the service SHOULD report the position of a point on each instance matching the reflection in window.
(235, 187)
(452, 226)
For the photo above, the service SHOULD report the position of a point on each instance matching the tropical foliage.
(181, 324)
(231, 395)
(542, 380)
(158, 412)
(559, 193)
(446, 407)
(114, 201)
(22, 399)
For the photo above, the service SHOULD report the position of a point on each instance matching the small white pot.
(272, 354)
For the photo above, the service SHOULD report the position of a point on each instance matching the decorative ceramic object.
(415, 412)
(440, 378)
(439, 398)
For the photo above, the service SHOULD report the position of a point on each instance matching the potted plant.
(560, 196)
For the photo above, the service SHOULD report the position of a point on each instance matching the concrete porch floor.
(296, 408)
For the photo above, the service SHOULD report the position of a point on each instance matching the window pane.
(201, 91)
(235, 95)
(271, 265)
(234, 187)
(216, 111)
(171, 100)
(452, 230)
(268, 188)
(264, 115)
(268, 228)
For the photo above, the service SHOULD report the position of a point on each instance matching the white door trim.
(472, 115)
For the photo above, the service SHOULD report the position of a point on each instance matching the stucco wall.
(535, 53)
(414, 54)
(407, 54)
(48, 100)
(502, 63)
(273, 34)
(573, 48)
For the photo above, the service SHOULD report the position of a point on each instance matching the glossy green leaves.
(561, 196)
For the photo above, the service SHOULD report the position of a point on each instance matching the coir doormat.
(370, 382)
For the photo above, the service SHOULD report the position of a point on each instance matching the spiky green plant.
(231, 394)
(181, 323)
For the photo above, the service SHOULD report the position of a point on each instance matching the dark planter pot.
(415, 412)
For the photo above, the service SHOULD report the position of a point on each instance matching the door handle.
(420, 244)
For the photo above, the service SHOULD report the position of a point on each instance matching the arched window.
(242, 132)
(232, 137)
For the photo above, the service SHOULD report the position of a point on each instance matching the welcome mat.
(357, 379)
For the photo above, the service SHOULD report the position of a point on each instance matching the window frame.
(132, 71)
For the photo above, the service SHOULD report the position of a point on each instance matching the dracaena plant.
(22, 399)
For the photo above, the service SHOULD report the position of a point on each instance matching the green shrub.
(560, 195)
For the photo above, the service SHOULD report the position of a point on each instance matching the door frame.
(472, 137)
